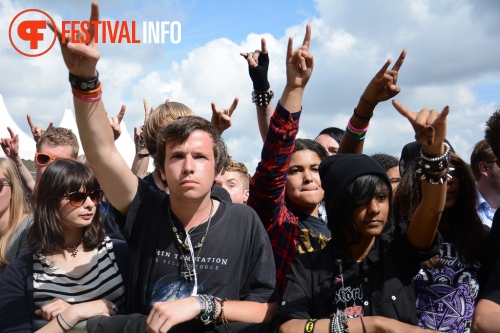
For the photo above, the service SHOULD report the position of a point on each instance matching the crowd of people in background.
(319, 238)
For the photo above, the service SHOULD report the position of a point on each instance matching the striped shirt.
(101, 280)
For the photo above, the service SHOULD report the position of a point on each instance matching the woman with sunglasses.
(73, 271)
(448, 284)
(14, 210)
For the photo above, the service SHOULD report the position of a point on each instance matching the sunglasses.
(77, 199)
(44, 159)
(4, 182)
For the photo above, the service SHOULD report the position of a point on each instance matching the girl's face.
(79, 216)
(370, 219)
(303, 185)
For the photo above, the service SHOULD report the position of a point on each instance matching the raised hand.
(429, 127)
(37, 131)
(383, 85)
(299, 63)
(10, 145)
(258, 64)
(221, 118)
(80, 58)
(116, 121)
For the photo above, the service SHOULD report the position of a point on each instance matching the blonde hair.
(162, 115)
(19, 204)
(239, 167)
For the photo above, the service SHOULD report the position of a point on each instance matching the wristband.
(262, 98)
(309, 327)
(69, 325)
(83, 84)
(362, 117)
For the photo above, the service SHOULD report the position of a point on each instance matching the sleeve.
(260, 283)
(267, 186)
(410, 257)
(298, 293)
(492, 290)
(15, 313)
(139, 214)
(267, 190)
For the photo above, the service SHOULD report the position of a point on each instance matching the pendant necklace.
(190, 274)
(73, 248)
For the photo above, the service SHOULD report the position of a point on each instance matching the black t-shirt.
(314, 233)
(384, 278)
(241, 263)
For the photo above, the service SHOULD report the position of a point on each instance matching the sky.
(453, 59)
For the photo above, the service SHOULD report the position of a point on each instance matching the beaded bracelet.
(262, 98)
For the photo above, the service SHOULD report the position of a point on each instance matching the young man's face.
(189, 167)
(232, 182)
(53, 151)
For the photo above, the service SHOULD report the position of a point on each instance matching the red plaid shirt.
(267, 191)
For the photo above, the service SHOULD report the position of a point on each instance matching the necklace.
(184, 243)
(73, 248)
(190, 274)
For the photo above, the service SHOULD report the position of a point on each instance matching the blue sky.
(453, 51)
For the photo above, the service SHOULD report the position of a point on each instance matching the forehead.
(58, 151)
(326, 140)
(305, 157)
(199, 141)
(231, 175)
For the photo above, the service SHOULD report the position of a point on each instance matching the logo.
(29, 33)
(31, 36)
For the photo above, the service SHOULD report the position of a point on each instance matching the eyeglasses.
(77, 199)
(44, 159)
(4, 182)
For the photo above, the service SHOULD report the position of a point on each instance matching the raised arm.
(381, 88)
(111, 170)
(430, 132)
(258, 65)
(10, 148)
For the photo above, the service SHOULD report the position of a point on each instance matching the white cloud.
(452, 46)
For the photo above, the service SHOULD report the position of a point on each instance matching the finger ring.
(113, 307)
(226, 111)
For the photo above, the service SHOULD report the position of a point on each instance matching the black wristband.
(82, 84)
(261, 99)
(309, 327)
(259, 74)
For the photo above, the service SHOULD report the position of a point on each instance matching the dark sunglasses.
(44, 159)
(77, 199)
(4, 182)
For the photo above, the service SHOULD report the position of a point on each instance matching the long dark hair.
(358, 193)
(465, 226)
(61, 177)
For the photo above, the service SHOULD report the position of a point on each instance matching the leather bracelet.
(262, 98)
(362, 117)
(83, 84)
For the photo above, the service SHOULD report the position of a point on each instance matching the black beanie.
(338, 171)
